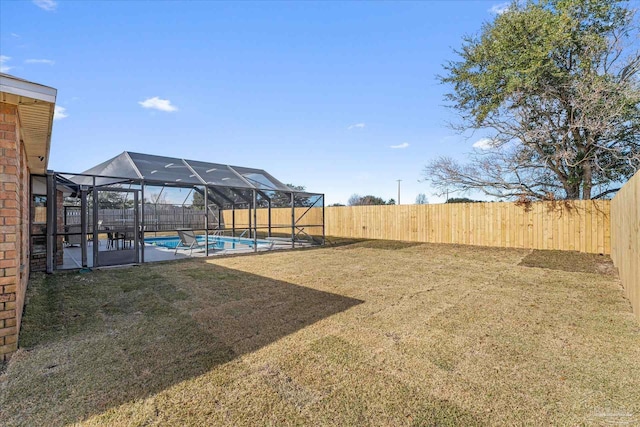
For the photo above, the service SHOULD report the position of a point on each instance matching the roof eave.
(20, 87)
(36, 108)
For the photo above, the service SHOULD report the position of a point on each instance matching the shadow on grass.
(575, 262)
(342, 241)
(95, 341)
(372, 243)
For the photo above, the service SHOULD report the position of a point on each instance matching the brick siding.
(14, 229)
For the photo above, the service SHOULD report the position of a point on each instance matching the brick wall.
(14, 232)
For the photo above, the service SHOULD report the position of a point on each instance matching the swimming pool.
(215, 242)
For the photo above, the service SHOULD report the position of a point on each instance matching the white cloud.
(156, 103)
(60, 113)
(4, 68)
(403, 145)
(40, 61)
(357, 126)
(48, 5)
(15, 35)
(483, 144)
(500, 8)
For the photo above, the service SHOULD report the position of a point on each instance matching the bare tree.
(421, 199)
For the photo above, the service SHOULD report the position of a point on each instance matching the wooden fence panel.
(581, 225)
(155, 218)
(308, 219)
(625, 239)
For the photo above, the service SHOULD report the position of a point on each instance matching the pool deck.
(73, 254)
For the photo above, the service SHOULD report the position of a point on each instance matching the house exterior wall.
(14, 227)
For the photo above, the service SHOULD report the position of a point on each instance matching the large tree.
(278, 199)
(553, 84)
(198, 200)
(283, 200)
(115, 200)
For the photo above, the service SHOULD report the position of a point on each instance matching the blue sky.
(339, 97)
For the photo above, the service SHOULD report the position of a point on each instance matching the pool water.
(215, 242)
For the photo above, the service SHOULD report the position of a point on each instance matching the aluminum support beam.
(142, 224)
(293, 221)
(269, 219)
(255, 220)
(324, 237)
(83, 226)
(233, 220)
(95, 223)
(206, 220)
(51, 221)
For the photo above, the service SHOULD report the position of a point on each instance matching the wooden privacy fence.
(625, 238)
(582, 225)
(156, 218)
(575, 225)
(310, 220)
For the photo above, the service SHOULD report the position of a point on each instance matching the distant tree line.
(421, 199)
(461, 200)
(357, 200)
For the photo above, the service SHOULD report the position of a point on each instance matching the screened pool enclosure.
(138, 208)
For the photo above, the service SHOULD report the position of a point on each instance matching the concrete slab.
(73, 254)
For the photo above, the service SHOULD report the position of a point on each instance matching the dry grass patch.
(570, 261)
(371, 333)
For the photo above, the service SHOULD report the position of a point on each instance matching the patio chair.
(110, 239)
(113, 237)
(128, 236)
(188, 241)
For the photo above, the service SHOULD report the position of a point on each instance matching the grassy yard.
(369, 333)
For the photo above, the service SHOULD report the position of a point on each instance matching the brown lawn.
(367, 333)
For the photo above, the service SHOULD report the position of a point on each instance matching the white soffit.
(36, 104)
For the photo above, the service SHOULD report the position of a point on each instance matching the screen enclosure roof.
(154, 169)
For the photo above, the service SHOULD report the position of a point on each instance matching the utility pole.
(399, 180)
